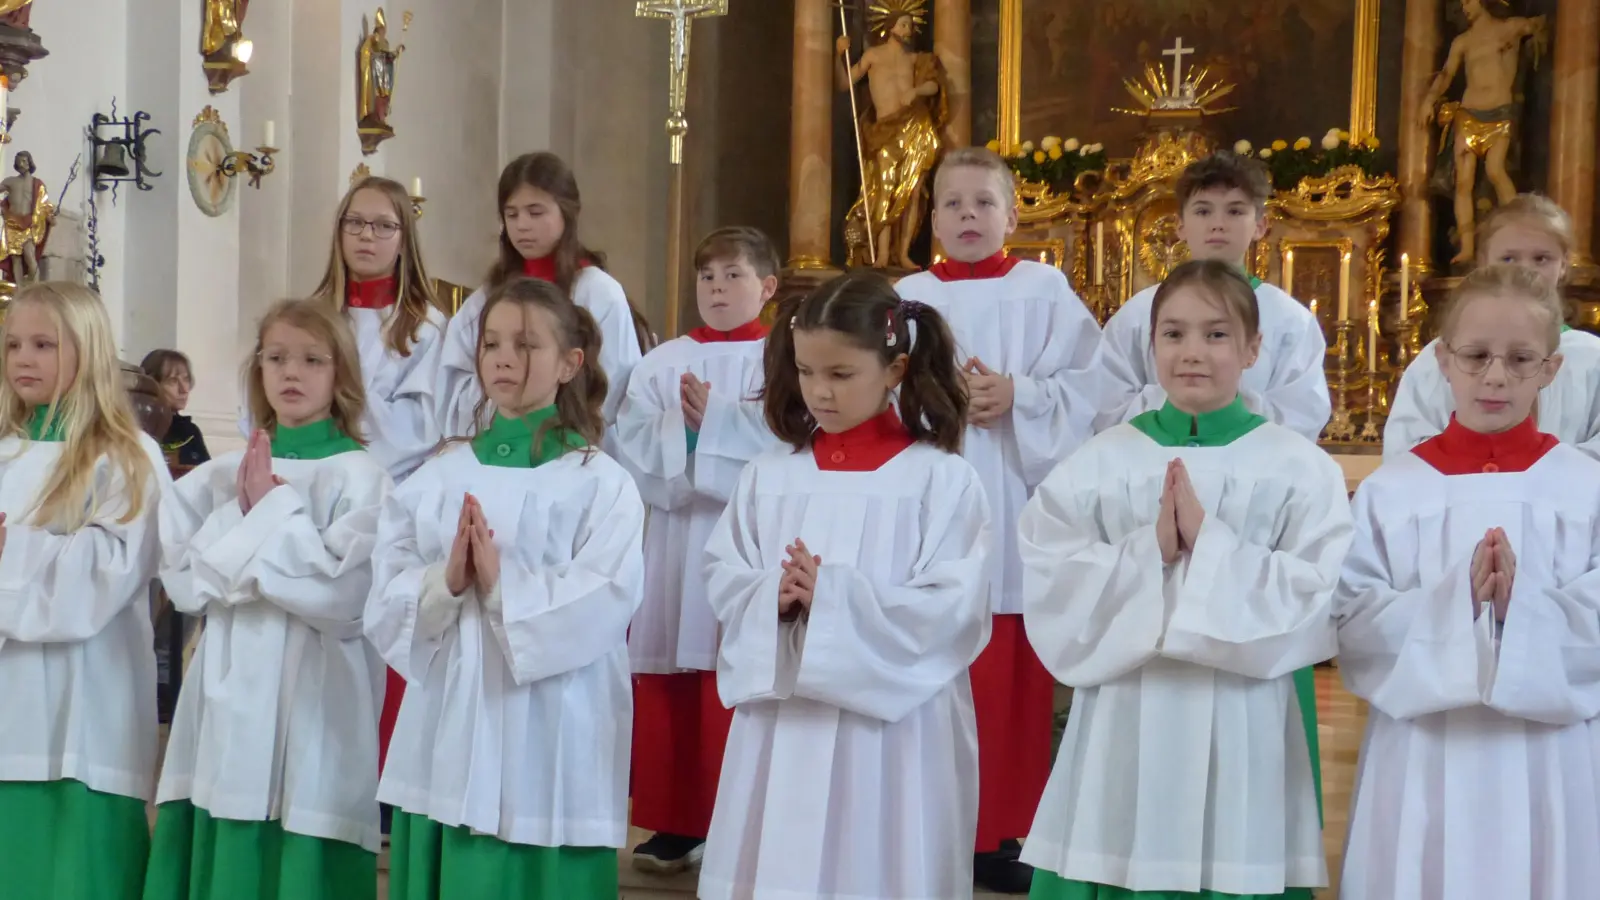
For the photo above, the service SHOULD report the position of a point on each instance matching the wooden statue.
(375, 81)
(28, 214)
(900, 135)
(1483, 125)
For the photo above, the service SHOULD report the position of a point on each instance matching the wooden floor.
(1341, 719)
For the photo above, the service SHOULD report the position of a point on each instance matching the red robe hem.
(1014, 697)
(680, 729)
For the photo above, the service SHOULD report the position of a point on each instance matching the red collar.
(864, 448)
(752, 330)
(995, 266)
(1462, 451)
(375, 294)
(544, 268)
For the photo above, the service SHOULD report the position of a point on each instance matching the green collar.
(1170, 426)
(36, 425)
(1255, 283)
(319, 440)
(509, 442)
(1565, 328)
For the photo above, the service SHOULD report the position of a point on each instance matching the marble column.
(952, 42)
(811, 136)
(1418, 64)
(1572, 118)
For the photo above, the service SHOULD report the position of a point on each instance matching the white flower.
(1330, 141)
(1027, 146)
(1050, 143)
(1071, 145)
(1083, 151)
(1096, 148)
(1334, 131)
(1242, 148)
(1266, 152)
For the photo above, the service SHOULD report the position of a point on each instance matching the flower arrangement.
(1292, 163)
(1054, 161)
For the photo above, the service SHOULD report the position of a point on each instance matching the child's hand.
(1167, 520)
(1191, 515)
(458, 574)
(990, 393)
(1494, 567)
(2, 533)
(693, 393)
(485, 555)
(1505, 567)
(255, 478)
(800, 571)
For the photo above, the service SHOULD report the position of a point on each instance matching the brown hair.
(158, 364)
(977, 158)
(864, 307)
(735, 243)
(549, 173)
(412, 287)
(1533, 210)
(1222, 283)
(1226, 170)
(579, 402)
(315, 317)
(1512, 282)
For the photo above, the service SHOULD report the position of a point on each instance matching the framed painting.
(1300, 66)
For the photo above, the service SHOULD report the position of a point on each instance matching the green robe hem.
(1050, 886)
(430, 861)
(59, 840)
(197, 857)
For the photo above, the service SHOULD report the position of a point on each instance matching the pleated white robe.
(77, 654)
(518, 712)
(851, 769)
(1569, 407)
(1286, 385)
(1479, 776)
(1184, 765)
(278, 717)
(1029, 325)
(686, 492)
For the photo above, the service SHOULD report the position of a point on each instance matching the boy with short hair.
(685, 429)
(1222, 202)
(1028, 347)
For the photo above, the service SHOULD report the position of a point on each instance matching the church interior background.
(188, 154)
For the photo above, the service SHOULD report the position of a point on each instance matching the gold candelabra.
(254, 166)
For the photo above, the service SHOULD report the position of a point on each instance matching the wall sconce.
(416, 198)
(111, 151)
(255, 165)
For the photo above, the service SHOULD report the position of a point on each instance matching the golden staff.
(861, 151)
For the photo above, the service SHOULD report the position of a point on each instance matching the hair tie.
(889, 339)
(792, 320)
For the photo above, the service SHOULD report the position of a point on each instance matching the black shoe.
(668, 854)
(1001, 871)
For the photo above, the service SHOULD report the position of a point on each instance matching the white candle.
(1372, 337)
(1344, 287)
(1288, 274)
(416, 187)
(1405, 284)
(1314, 311)
(1100, 252)
(267, 134)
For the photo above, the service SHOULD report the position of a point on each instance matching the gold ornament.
(882, 15)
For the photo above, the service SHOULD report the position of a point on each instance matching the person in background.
(183, 444)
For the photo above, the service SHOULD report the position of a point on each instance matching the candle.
(1100, 252)
(1372, 337)
(1314, 308)
(416, 187)
(267, 134)
(1288, 274)
(1041, 256)
(1344, 287)
(1405, 284)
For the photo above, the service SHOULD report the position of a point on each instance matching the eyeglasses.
(1476, 360)
(279, 360)
(382, 229)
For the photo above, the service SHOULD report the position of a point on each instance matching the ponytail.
(782, 403)
(580, 402)
(933, 396)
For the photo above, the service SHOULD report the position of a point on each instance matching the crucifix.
(680, 14)
(1178, 52)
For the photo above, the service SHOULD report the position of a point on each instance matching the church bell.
(113, 161)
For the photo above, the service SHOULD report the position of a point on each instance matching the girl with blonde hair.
(79, 484)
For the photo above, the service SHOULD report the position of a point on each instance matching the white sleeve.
(559, 618)
(653, 446)
(1549, 663)
(458, 392)
(404, 427)
(883, 650)
(733, 432)
(619, 340)
(278, 553)
(62, 588)
(1056, 401)
(1128, 387)
(191, 521)
(1586, 436)
(1297, 396)
(1421, 406)
(1265, 611)
(403, 578)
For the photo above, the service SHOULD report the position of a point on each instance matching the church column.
(1417, 66)
(1572, 120)
(811, 136)
(952, 42)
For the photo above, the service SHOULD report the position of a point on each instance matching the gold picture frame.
(1363, 76)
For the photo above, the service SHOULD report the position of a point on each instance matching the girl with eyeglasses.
(1534, 233)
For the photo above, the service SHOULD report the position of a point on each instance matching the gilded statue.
(900, 134)
(375, 81)
(222, 26)
(1482, 126)
(28, 213)
(16, 13)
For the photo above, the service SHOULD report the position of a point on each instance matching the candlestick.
(1100, 252)
(1405, 284)
(1314, 309)
(416, 187)
(1344, 287)
(1372, 337)
(1288, 275)
(267, 134)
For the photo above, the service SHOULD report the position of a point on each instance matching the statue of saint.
(28, 213)
(900, 135)
(375, 82)
(16, 13)
(222, 27)
(1482, 126)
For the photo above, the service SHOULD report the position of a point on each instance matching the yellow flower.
(994, 146)
(1038, 156)
(1279, 146)
(1372, 142)
(1303, 144)
(1344, 135)
(1055, 152)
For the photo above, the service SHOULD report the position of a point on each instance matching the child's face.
(175, 386)
(1201, 351)
(1518, 244)
(297, 372)
(533, 222)
(369, 254)
(1507, 340)
(843, 385)
(522, 363)
(1221, 223)
(973, 213)
(730, 293)
(41, 363)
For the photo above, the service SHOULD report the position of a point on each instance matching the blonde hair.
(1532, 210)
(95, 414)
(1510, 282)
(977, 158)
(1222, 283)
(413, 289)
(322, 322)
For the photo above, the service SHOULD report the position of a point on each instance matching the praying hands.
(1179, 519)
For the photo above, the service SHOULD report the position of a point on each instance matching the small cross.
(681, 13)
(1178, 52)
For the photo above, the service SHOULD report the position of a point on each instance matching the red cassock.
(680, 729)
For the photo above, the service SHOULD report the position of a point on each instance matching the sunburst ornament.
(1157, 92)
(882, 14)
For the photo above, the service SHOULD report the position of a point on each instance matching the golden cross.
(680, 13)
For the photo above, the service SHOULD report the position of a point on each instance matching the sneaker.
(669, 854)
(1001, 871)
